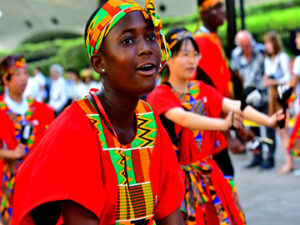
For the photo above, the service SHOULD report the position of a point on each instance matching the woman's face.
(18, 81)
(297, 40)
(131, 56)
(184, 64)
(269, 47)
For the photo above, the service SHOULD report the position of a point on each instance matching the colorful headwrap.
(204, 5)
(173, 40)
(181, 35)
(18, 62)
(114, 10)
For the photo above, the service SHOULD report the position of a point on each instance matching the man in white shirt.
(59, 91)
(36, 86)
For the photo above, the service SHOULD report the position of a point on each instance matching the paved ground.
(268, 198)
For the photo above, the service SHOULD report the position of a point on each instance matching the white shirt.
(278, 68)
(296, 71)
(34, 87)
(59, 94)
(18, 108)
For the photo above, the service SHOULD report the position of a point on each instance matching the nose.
(144, 47)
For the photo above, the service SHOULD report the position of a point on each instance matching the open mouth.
(146, 67)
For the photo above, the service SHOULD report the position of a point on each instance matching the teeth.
(147, 67)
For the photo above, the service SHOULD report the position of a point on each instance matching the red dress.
(75, 167)
(39, 116)
(214, 63)
(208, 197)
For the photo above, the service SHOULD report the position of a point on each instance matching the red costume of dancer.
(75, 167)
(39, 116)
(216, 205)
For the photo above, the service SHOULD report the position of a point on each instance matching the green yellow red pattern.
(114, 10)
(10, 167)
(294, 142)
(136, 202)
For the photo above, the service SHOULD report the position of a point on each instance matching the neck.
(179, 84)
(211, 28)
(120, 108)
(15, 97)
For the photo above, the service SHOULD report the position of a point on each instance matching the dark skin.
(214, 17)
(130, 45)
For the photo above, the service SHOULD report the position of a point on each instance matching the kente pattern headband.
(16, 64)
(181, 35)
(114, 10)
(207, 4)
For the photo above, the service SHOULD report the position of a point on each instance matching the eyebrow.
(131, 30)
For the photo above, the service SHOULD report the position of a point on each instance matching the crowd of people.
(63, 86)
(112, 158)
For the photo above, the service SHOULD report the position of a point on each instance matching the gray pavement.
(268, 198)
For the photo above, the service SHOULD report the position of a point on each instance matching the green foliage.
(279, 16)
(50, 36)
(73, 54)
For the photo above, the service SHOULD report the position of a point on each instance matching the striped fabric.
(114, 10)
(10, 166)
(207, 4)
(136, 201)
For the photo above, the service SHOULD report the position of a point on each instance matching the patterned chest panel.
(131, 162)
(20, 121)
(191, 103)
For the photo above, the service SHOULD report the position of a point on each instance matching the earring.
(103, 70)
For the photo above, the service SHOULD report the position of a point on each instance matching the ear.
(98, 63)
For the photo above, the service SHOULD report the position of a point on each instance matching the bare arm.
(194, 121)
(252, 114)
(75, 214)
(174, 219)
(17, 153)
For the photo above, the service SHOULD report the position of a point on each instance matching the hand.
(269, 82)
(233, 119)
(245, 134)
(18, 152)
(278, 116)
(235, 146)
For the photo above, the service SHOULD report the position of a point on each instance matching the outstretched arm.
(174, 219)
(193, 121)
(252, 114)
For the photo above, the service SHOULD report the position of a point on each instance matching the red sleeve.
(162, 99)
(66, 164)
(214, 99)
(45, 115)
(171, 180)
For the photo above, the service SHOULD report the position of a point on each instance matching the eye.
(127, 41)
(151, 37)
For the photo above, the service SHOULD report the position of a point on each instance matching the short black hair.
(102, 2)
(178, 45)
(7, 62)
(71, 70)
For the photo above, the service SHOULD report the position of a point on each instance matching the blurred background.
(51, 31)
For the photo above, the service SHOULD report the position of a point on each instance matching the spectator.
(59, 91)
(36, 86)
(88, 80)
(247, 61)
(78, 89)
(277, 72)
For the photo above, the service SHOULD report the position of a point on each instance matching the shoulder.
(297, 60)
(236, 53)
(259, 48)
(283, 56)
